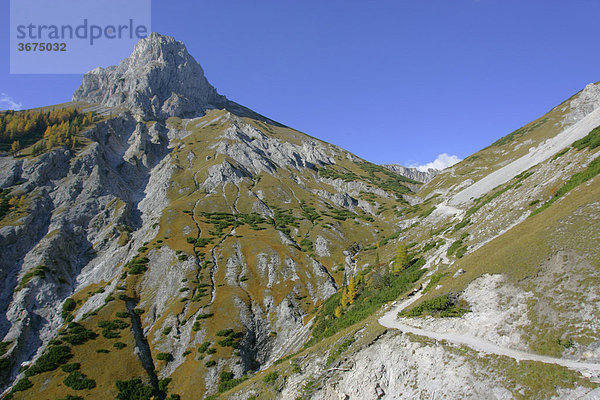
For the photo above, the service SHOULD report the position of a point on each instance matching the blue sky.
(391, 81)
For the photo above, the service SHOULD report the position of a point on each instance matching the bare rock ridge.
(413, 173)
(160, 79)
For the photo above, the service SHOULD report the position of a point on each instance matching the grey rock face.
(413, 173)
(158, 80)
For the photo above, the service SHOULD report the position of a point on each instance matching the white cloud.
(441, 162)
(7, 103)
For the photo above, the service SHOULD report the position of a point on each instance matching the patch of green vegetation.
(39, 271)
(282, 219)
(456, 245)
(200, 293)
(102, 351)
(76, 334)
(78, 381)
(22, 385)
(122, 314)
(329, 173)
(591, 141)
(231, 338)
(434, 281)
(335, 353)
(203, 347)
(386, 239)
(461, 224)
(210, 363)
(306, 245)
(70, 367)
(164, 356)
(440, 306)
(271, 377)
(560, 153)
(4, 347)
(119, 345)
(137, 265)
(369, 299)
(205, 315)
(427, 212)
(577, 179)
(110, 329)
(310, 213)
(227, 381)
(519, 132)
(134, 389)
(488, 198)
(167, 330)
(52, 358)
(5, 203)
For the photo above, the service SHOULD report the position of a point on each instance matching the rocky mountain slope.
(184, 245)
(413, 173)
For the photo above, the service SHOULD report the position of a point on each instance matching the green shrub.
(211, 350)
(204, 316)
(122, 314)
(164, 357)
(78, 381)
(68, 306)
(70, 367)
(39, 271)
(203, 347)
(462, 224)
(4, 347)
(22, 385)
(163, 384)
(76, 334)
(271, 377)
(137, 265)
(119, 345)
(167, 330)
(110, 328)
(52, 358)
(434, 281)
(210, 363)
(592, 140)
(441, 306)
(232, 339)
(102, 351)
(134, 389)
(227, 382)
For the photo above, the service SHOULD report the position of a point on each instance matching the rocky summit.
(161, 241)
(159, 80)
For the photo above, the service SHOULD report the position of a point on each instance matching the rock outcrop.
(159, 80)
(413, 173)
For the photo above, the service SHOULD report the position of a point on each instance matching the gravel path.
(390, 320)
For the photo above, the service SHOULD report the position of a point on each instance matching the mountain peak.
(160, 79)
